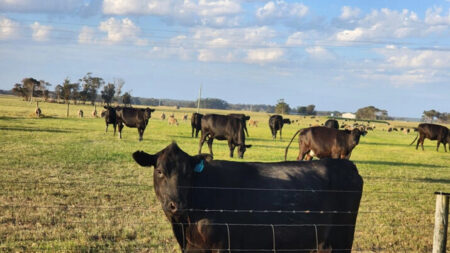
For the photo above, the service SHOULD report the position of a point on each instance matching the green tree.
(126, 99)
(371, 112)
(310, 110)
(213, 103)
(282, 107)
(431, 114)
(108, 93)
(69, 91)
(90, 85)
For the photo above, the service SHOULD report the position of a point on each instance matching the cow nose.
(173, 207)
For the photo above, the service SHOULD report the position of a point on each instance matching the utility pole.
(199, 98)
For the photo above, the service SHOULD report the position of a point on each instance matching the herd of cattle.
(215, 205)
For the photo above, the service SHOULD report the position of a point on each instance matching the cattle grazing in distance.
(110, 117)
(244, 119)
(253, 123)
(187, 186)
(38, 112)
(394, 129)
(432, 132)
(196, 123)
(172, 121)
(163, 116)
(94, 113)
(133, 117)
(332, 123)
(185, 117)
(406, 131)
(80, 113)
(223, 127)
(276, 123)
(324, 142)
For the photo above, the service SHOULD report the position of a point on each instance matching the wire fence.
(70, 220)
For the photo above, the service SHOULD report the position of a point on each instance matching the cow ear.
(247, 117)
(206, 157)
(145, 159)
(248, 146)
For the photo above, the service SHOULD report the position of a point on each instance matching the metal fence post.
(440, 222)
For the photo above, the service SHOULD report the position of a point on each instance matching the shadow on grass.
(388, 163)
(434, 180)
(29, 129)
(384, 144)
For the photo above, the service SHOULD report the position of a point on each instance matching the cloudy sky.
(338, 55)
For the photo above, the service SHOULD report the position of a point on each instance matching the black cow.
(324, 142)
(110, 117)
(256, 207)
(133, 117)
(223, 127)
(276, 123)
(432, 132)
(244, 119)
(196, 123)
(332, 123)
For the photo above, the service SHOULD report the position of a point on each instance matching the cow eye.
(160, 174)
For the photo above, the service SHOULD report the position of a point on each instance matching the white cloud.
(295, 39)
(348, 12)
(209, 12)
(9, 29)
(117, 31)
(264, 55)
(433, 17)
(320, 53)
(282, 9)
(40, 32)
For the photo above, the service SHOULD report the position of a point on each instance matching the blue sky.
(338, 55)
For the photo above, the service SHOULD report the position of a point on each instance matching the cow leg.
(445, 146)
(114, 125)
(280, 133)
(246, 131)
(196, 132)
(141, 133)
(120, 130)
(421, 143)
(106, 130)
(202, 140)
(438, 143)
(192, 134)
(231, 146)
(210, 142)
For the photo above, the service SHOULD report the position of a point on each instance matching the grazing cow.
(253, 123)
(196, 123)
(223, 127)
(172, 121)
(80, 113)
(394, 129)
(163, 116)
(94, 113)
(276, 123)
(38, 112)
(244, 119)
(432, 132)
(185, 117)
(324, 142)
(406, 131)
(390, 129)
(280, 217)
(133, 117)
(110, 117)
(332, 123)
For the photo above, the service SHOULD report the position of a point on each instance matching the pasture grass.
(66, 185)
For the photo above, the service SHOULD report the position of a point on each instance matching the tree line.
(84, 90)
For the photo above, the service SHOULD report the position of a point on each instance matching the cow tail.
(414, 140)
(287, 148)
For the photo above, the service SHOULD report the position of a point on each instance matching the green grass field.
(65, 185)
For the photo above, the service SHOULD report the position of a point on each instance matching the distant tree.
(30, 88)
(371, 112)
(126, 99)
(118, 83)
(431, 114)
(282, 107)
(108, 93)
(444, 117)
(58, 92)
(301, 110)
(20, 91)
(90, 85)
(214, 103)
(70, 91)
(310, 110)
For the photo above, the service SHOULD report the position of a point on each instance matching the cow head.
(356, 134)
(172, 176)
(242, 149)
(148, 113)
(286, 121)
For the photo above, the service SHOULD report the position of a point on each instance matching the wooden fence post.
(440, 222)
(67, 109)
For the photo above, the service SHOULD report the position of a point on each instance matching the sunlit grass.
(67, 185)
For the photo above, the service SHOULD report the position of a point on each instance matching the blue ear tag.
(199, 167)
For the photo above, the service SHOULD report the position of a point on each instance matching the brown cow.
(185, 117)
(324, 142)
(38, 112)
(94, 113)
(80, 113)
(172, 121)
(432, 132)
(253, 123)
(163, 116)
